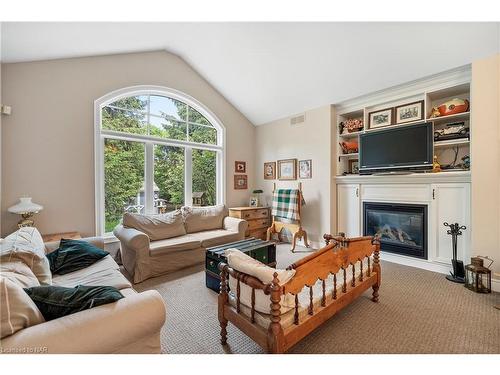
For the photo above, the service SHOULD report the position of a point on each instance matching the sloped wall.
(47, 142)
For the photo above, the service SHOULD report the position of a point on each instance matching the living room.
(188, 188)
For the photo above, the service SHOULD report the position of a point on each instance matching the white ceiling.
(273, 70)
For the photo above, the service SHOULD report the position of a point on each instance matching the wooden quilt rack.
(295, 228)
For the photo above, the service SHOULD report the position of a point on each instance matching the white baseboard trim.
(417, 263)
(495, 285)
(428, 265)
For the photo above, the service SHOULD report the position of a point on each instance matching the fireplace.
(402, 227)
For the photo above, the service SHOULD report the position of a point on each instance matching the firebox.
(402, 228)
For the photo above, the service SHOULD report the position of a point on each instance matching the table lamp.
(26, 208)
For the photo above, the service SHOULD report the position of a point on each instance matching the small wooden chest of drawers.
(258, 218)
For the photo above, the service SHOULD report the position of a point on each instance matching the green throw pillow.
(73, 255)
(57, 301)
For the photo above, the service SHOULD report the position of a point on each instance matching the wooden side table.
(258, 218)
(57, 236)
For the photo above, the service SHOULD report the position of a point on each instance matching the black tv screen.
(405, 147)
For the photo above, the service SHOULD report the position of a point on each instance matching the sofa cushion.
(56, 301)
(103, 272)
(171, 245)
(197, 219)
(17, 310)
(74, 255)
(19, 273)
(26, 245)
(157, 227)
(246, 264)
(216, 237)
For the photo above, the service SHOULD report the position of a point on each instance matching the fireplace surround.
(402, 227)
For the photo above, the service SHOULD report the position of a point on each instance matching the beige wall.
(47, 142)
(1, 118)
(485, 159)
(310, 140)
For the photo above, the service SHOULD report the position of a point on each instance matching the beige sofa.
(130, 325)
(159, 244)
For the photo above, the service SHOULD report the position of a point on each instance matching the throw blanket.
(286, 204)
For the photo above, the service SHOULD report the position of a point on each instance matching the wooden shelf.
(348, 155)
(395, 126)
(451, 143)
(452, 118)
(351, 135)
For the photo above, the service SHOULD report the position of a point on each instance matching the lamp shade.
(25, 205)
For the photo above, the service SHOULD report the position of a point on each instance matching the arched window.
(157, 149)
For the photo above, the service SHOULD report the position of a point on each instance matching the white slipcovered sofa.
(158, 244)
(130, 325)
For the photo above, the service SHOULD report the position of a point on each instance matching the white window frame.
(149, 141)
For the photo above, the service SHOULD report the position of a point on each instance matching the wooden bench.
(350, 265)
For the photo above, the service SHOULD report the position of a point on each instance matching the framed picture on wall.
(240, 182)
(287, 169)
(305, 168)
(240, 167)
(409, 112)
(379, 119)
(353, 166)
(270, 170)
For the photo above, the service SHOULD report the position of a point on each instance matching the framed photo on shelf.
(254, 202)
(270, 170)
(379, 119)
(409, 112)
(353, 166)
(240, 182)
(305, 168)
(240, 167)
(287, 169)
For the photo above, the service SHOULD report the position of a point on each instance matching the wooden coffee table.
(263, 251)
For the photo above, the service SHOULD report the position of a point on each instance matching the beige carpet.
(419, 312)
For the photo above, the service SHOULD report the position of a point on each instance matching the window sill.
(109, 238)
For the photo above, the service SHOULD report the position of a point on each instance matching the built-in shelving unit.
(434, 94)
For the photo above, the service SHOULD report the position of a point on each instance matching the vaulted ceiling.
(272, 70)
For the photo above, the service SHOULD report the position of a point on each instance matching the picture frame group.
(288, 169)
(401, 114)
(240, 180)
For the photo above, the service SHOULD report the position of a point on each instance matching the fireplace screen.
(402, 228)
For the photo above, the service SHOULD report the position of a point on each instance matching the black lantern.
(477, 276)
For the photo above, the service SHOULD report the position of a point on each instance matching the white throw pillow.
(241, 262)
(19, 273)
(17, 310)
(26, 245)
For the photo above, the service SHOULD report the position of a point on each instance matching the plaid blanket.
(286, 204)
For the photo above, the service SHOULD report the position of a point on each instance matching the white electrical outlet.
(6, 109)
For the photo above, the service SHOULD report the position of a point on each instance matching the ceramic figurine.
(466, 162)
(436, 167)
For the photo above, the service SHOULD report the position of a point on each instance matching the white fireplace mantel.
(413, 178)
(446, 195)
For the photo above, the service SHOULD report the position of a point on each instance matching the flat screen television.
(397, 149)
